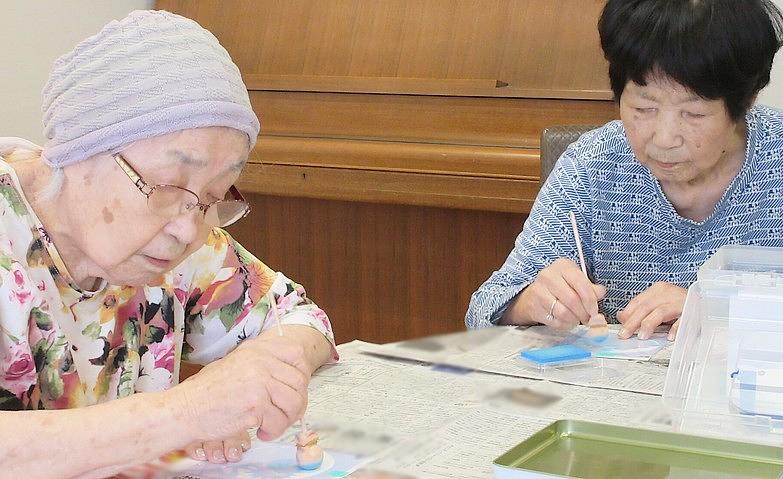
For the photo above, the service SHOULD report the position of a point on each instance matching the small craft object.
(597, 328)
(309, 455)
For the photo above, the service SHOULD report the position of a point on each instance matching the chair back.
(554, 141)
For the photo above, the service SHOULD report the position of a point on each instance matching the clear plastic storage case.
(725, 376)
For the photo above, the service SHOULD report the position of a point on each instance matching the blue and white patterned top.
(632, 236)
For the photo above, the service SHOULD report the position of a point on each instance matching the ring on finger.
(551, 315)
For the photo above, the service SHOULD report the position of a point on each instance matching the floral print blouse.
(63, 347)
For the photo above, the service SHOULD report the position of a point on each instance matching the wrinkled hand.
(564, 290)
(263, 383)
(219, 452)
(659, 304)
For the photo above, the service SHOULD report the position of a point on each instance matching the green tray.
(597, 451)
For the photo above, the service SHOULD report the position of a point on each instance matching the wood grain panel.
(382, 272)
(424, 119)
(411, 86)
(476, 153)
(433, 158)
(490, 194)
(507, 40)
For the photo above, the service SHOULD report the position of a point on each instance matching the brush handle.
(273, 305)
(578, 242)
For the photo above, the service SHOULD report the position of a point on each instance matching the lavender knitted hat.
(149, 74)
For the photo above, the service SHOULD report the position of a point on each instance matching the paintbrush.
(596, 325)
(309, 455)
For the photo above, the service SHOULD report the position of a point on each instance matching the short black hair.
(718, 49)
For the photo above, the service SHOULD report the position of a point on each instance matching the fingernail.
(643, 336)
(201, 454)
(233, 453)
(671, 337)
(622, 332)
(218, 456)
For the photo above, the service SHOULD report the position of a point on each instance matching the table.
(415, 419)
(434, 422)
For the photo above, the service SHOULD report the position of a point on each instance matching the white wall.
(32, 35)
(772, 95)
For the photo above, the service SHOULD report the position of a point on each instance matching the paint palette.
(612, 347)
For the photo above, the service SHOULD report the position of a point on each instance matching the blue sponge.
(555, 354)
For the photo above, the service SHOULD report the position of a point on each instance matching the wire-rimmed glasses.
(171, 200)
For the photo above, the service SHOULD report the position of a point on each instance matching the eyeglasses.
(170, 200)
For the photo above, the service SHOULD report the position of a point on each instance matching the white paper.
(425, 423)
(499, 353)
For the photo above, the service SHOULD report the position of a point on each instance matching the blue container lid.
(556, 354)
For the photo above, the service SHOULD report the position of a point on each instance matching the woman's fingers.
(196, 451)
(673, 330)
(577, 298)
(560, 297)
(214, 452)
(263, 381)
(233, 447)
(658, 304)
(219, 452)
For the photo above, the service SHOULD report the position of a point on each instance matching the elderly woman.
(690, 167)
(114, 269)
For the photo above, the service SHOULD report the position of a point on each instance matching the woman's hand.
(219, 452)
(560, 297)
(660, 303)
(263, 383)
